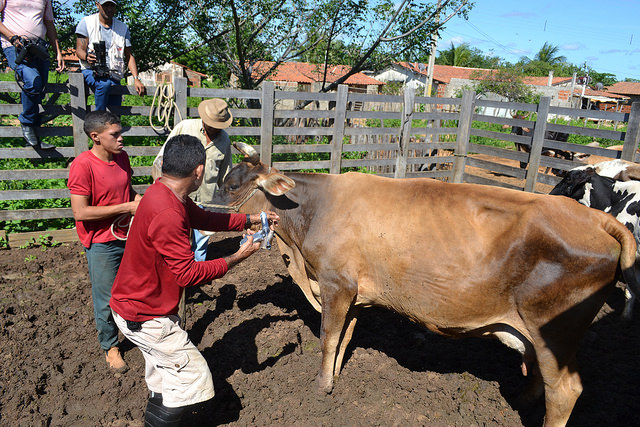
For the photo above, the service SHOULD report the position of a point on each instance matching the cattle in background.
(618, 169)
(593, 159)
(459, 259)
(610, 187)
(555, 136)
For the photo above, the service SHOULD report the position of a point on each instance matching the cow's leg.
(530, 368)
(352, 317)
(525, 149)
(562, 385)
(337, 299)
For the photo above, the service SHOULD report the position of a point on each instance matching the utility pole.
(432, 57)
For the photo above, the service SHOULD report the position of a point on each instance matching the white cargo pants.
(174, 366)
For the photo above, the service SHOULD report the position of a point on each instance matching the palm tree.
(456, 56)
(549, 54)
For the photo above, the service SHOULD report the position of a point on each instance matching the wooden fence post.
(462, 136)
(632, 136)
(180, 86)
(537, 144)
(338, 129)
(78, 112)
(266, 122)
(405, 132)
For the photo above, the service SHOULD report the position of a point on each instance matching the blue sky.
(605, 35)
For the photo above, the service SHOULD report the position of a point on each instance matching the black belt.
(134, 326)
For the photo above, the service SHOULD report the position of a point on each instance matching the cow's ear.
(276, 183)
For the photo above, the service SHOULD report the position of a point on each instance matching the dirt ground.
(261, 339)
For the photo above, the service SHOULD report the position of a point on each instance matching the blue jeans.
(34, 73)
(199, 245)
(104, 261)
(101, 88)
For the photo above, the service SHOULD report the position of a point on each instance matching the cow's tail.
(627, 254)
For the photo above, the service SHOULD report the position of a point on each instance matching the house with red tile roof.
(306, 77)
(449, 80)
(604, 100)
(629, 89)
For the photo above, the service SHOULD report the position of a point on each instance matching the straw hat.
(215, 113)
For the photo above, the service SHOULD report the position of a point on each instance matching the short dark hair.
(96, 121)
(182, 154)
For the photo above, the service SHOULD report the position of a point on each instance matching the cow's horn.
(250, 153)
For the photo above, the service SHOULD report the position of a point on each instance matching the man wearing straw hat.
(209, 129)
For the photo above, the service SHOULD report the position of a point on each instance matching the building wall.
(560, 95)
(167, 72)
(396, 74)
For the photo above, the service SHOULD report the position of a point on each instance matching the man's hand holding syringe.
(252, 241)
(266, 233)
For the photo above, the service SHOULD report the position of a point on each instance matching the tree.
(65, 24)
(239, 34)
(457, 56)
(549, 53)
(505, 81)
(607, 79)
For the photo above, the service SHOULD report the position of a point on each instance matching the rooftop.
(303, 72)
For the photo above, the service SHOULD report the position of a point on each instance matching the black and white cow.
(596, 186)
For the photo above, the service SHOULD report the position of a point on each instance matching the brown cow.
(459, 259)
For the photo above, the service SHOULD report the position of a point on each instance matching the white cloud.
(572, 46)
(609, 51)
(457, 41)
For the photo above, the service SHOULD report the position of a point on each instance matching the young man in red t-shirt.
(157, 265)
(101, 194)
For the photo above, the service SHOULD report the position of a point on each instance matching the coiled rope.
(163, 101)
(120, 226)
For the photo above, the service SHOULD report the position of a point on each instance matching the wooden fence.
(428, 137)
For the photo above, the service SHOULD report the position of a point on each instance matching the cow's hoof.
(325, 386)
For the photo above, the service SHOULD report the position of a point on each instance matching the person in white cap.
(103, 27)
(209, 129)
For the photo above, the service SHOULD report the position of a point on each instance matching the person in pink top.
(157, 265)
(101, 195)
(24, 25)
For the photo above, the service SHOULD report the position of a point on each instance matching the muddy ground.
(260, 337)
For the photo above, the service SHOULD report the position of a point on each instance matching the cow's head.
(572, 185)
(243, 181)
(587, 187)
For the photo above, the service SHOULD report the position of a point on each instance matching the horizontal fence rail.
(389, 135)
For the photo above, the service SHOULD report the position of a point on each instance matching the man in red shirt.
(101, 192)
(157, 265)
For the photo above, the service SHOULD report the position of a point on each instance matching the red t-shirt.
(106, 184)
(158, 262)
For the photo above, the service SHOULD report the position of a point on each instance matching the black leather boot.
(31, 139)
(158, 415)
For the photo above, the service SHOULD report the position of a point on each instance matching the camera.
(100, 68)
(37, 48)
